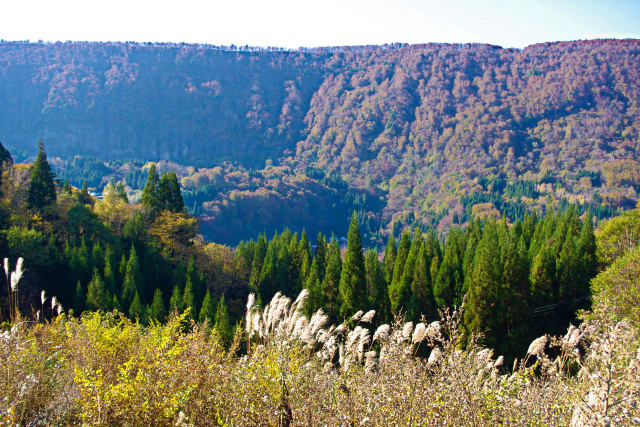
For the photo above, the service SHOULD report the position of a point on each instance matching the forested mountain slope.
(435, 132)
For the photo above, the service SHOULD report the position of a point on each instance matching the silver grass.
(318, 320)
(537, 346)
(435, 356)
(38, 315)
(339, 329)
(370, 361)
(54, 302)
(19, 265)
(364, 340)
(484, 355)
(59, 309)
(434, 330)
(406, 330)
(14, 281)
(6, 267)
(382, 333)
(499, 362)
(368, 316)
(357, 316)
(43, 296)
(251, 301)
(419, 333)
(302, 297)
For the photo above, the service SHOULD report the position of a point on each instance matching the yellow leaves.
(174, 231)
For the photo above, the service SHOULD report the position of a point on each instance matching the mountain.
(418, 134)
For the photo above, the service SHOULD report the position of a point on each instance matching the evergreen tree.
(175, 303)
(83, 196)
(163, 192)
(97, 257)
(320, 254)
(149, 197)
(389, 259)
(315, 300)
(189, 301)
(156, 311)
(222, 324)
(377, 286)
(122, 193)
(97, 296)
(208, 310)
(42, 191)
(175, 202)
(137, 310)
(406, 280)
(79, 298)
(421, 301)
(396, 295)
(258, 260)
(331, 282)
(133, 282)
(352, 278)
(66, 188)
(450, 278)
(268, 285)
(484, 308)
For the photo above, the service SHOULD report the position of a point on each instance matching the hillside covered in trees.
(406, 135)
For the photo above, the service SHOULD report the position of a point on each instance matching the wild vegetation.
(427, 135)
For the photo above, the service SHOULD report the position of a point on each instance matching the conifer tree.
(377, 286)
(353, 283)
(421, 302)
(390, 252)
(42, 191)
(320, 255)
(156, 311)
(405, 285)
(149, 197)
(331, 282)
(267, 284)
(259, 254)
(115, 304)
(189, 301)
(222, 324)
(163, 192)
(137, 310)
(132, 281)
(450, 278)
(175, 203)
(395, 287)
(315, 300)
(208, 310)
(175, 302)
(83, 196)
(97, 296)
(66, 188)
(79, 298)
(97, 257)
(484, 308)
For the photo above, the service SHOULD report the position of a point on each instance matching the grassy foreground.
(103, 369)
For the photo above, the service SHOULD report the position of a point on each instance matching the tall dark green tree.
(42, 191)
(353, 284)
(97, 296)
(222, 323)
(208, 310)
(377, 286)
(133, 280)
(396, 296)
(156, 311)
(331, 282)
(150, 197)
(421, 301)
(390, 252)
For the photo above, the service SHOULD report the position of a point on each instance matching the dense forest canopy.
(419, 134)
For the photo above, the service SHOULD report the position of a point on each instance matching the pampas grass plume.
(368, 316)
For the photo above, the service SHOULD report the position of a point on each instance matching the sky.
(296, 23)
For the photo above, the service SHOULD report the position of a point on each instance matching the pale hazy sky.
(289, 23)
